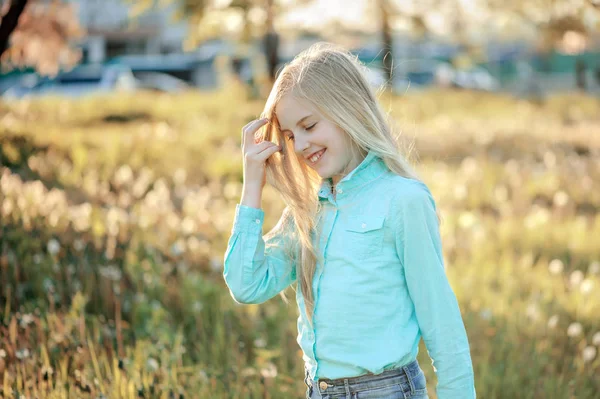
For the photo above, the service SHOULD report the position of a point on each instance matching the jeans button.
(323, 385)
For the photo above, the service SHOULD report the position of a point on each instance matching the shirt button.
(363, 225)
(257, 221)
(340, 191)
(323, 385)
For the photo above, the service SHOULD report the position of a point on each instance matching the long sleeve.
(257, 268)
(419, 248)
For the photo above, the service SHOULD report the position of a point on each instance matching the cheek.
(333, 134)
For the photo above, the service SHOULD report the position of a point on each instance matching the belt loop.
(347, 387)
(409, 377)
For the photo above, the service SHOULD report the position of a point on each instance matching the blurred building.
(112, 31)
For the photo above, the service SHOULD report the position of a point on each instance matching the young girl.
(359, 236)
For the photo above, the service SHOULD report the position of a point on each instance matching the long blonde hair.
(332, 79)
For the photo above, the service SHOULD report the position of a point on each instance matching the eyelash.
(308, 128)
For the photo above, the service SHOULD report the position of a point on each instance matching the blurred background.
(120, 170)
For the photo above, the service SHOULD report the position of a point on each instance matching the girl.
(359, 236)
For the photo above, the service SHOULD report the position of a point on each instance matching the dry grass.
(115, 213)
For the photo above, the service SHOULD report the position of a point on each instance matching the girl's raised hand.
(255, 154)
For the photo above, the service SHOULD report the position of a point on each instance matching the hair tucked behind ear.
(333, 80)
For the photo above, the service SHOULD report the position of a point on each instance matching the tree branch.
(10, 22)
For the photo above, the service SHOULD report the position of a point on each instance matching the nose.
(300, 145)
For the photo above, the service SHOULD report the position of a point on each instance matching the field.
(115, 213)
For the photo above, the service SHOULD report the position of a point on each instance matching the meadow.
(115, 213)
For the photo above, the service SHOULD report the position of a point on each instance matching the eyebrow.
(297, 123)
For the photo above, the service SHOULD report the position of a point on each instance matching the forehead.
(291, 109)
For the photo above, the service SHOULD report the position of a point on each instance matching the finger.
(245, 129)
(266, 153)
(264, 145)
(249, 130)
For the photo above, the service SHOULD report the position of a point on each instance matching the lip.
(313, 154)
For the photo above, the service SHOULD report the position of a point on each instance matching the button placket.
(327, 226)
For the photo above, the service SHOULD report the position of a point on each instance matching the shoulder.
(406, 192)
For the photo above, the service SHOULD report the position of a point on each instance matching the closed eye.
(311, 127)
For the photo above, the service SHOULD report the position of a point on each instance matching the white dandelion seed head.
(587, 286)
(198, 306)
(79, 245)
(574, 330)
(37, 259)
(553, 321)
(589, 353)
(556, 266)
(26, 320)
(111, 272)
(576, 278)
(53, 246)
(22, 354)
(596, 339)
(269, 371)
(152, 364)
(560, 198)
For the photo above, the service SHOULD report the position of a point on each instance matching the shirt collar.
(368, 170)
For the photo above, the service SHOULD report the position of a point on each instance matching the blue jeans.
(401, 383)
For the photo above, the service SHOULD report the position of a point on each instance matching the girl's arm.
(419, 248)
(257, 268)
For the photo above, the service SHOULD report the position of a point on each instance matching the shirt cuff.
(248, 219)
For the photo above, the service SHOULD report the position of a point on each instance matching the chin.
(324, 174)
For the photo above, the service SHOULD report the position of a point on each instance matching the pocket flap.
(362, 224)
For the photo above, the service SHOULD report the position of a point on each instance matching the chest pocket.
(365, 235)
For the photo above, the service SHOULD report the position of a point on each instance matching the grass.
(115, 213)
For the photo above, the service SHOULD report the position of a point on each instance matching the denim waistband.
(399, 375)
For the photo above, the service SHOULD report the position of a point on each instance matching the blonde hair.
(332, 79)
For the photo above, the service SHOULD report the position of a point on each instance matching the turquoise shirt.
(381, 287)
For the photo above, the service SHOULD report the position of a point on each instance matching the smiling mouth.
(315, 158)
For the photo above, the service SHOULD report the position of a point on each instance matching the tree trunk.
(271, 43)
(387, 43)
(10, 22)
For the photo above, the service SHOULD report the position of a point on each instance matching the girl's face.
(319, 143)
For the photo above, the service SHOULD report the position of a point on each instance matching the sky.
(362, 15)
(350, 13)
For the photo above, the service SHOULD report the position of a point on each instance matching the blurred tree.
(39, 34)
(11, 11)
(388, 13)
(552, 19)
(271, 43)
(565, 25)
(243, 21)
(386, 40)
